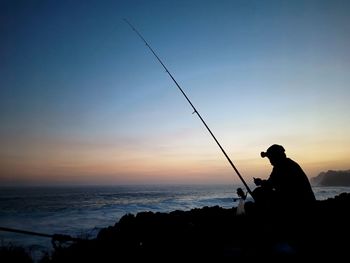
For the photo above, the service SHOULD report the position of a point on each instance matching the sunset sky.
(83, 101)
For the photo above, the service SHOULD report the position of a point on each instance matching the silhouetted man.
(287, 185)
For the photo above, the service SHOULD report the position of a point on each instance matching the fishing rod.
(56, 237)
(193, 107)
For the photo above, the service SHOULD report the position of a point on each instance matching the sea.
(82, 211)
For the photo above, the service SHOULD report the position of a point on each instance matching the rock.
(219, 235)
(332, 178)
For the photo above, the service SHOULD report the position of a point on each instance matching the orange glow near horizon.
(69, 163)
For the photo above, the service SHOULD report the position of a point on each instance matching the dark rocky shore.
(216, 234)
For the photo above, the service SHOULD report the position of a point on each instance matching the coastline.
(217, 233)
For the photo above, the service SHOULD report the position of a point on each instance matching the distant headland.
(332, 178)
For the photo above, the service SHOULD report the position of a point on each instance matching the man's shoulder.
(292, 163)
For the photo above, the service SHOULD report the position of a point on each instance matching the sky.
(83, 101)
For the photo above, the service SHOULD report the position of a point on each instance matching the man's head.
(275, 153)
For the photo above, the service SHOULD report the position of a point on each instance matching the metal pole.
(194, 109)
(25, 232)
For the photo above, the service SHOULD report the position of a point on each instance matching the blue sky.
(84, 101)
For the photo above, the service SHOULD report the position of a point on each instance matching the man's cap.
(273, 150)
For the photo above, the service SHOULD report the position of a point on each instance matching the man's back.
(290, 182)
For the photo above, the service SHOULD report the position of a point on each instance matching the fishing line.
(193, 107)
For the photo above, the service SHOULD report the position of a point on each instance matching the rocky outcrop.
(332, 178)
(215, 234)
